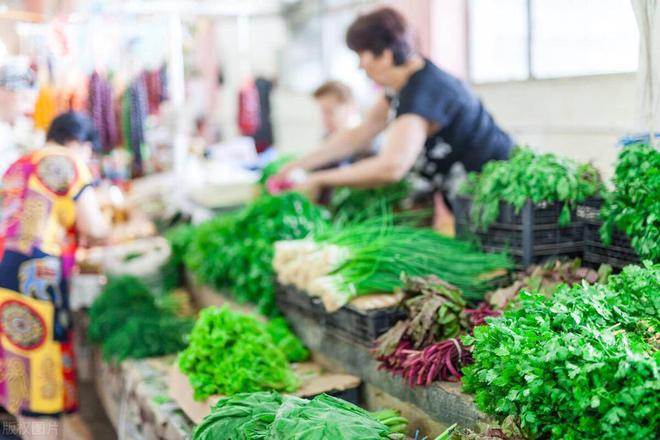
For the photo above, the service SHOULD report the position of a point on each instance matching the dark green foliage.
(235, 251)
(286, 341)
(231, 353)
(634, 206)
(178, 238)
(529, 176)
(131, 323)
(145, 336)
(271, 416)
(122, 298)
(577, 365)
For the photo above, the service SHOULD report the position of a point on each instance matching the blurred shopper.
(47, 201)
(338, 108)
(433, 119)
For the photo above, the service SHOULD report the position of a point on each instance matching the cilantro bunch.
(634, 205)
(231, 353)
(577, 365)
(178, 238)
(235, 251)
(529, 176)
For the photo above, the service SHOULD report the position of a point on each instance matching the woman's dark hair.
(73, 126)
(384, 28)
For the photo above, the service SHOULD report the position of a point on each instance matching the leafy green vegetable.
(577, 365)
(634, 206)
(129, 322)
(235, 251)
(529, 176)
(231, 353)
(121, 298)
(289, 343)
(350, 204)
(271, 416)
(145, 336)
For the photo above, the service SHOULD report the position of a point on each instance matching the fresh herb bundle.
(351, 204)
(231, 353)
(131, 323)
(235, 251)
(144, 336)
(634, 205)
(271, 416)
(576, 365)
(529, 176)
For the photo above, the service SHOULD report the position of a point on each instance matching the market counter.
(135, 397)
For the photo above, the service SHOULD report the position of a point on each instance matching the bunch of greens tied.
(235, 251)
(582, 364)
(131, 323)
(529, 176)
(369, 257)
(634, 206)
(425, 347)
(271, 416)
(231, 353)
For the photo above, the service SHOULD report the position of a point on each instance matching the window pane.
(583, 37)
(498, 40)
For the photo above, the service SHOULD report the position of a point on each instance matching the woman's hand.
(311, 187)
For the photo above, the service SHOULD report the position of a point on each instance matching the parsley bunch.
(634, 206)
(577, 365)
(529, 176)
(231, 353)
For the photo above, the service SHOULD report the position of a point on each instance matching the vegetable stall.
(284, 319)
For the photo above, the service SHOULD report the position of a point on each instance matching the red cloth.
(248, 109)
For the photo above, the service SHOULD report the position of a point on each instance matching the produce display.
(271, 416)
(582, 364)
(634, 205)
(529, 176)
(425, 347)
(351, 204)
(235, 251)
(369, 257)
(231, 353)
(131, 323)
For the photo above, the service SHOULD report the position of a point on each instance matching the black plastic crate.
(530, 236)
(542, 213)
(288, 297)
(363, 326)
(618, 254)
(352, 395)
